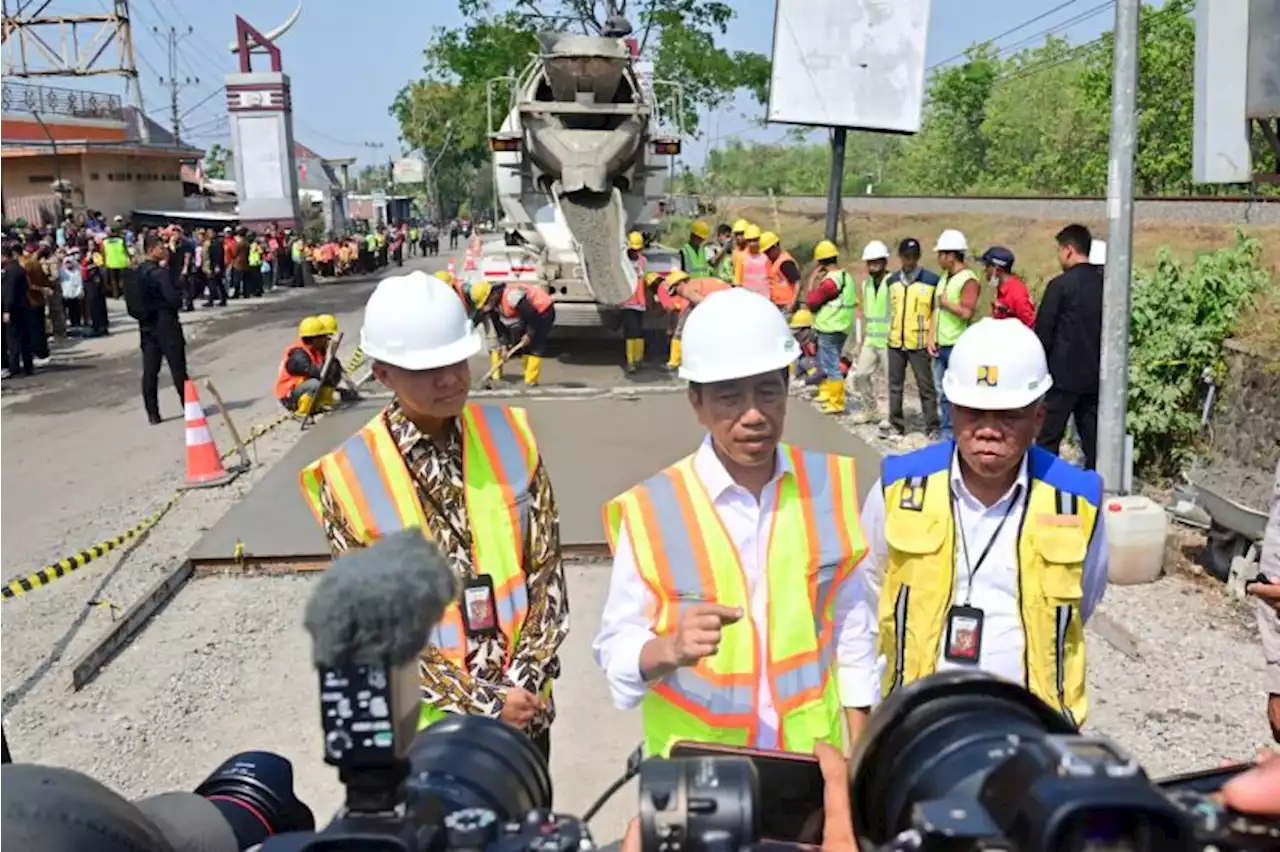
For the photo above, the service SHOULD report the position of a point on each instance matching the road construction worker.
(679, 294)
(833, 303)
(635, 307)
(753, 267)
(300, 386)
(911, 291)
(493, 515)
(784, 272)
(957, 305)
(720, 253)
(528, 310)
(872, 325)
(739, 247)
(732, 568)
(806, 368)
(1000, 544)
(1012, 298)
(480, 300)
(693, 257)
(116, 255)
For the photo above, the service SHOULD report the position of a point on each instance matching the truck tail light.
(504, 143)
(666, 146)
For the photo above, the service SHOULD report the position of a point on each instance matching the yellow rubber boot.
(633, 360)
(835, 397)
(326, 398)
(639, 351)
(495, 364)
(304, 405)
(824, 392)
(532, 370)
(673, 362)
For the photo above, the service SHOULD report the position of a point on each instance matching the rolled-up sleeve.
(857, 607)
(624, 628)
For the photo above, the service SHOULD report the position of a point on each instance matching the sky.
(347, 60)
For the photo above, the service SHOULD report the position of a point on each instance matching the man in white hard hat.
(957, 304)
(873, 329)
(986, 551)
(731, 568)
(493, 515)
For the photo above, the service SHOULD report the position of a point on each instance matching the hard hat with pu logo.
(997, 365)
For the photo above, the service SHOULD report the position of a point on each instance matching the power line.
(202, 102)
(962, 54)
(1061, 27)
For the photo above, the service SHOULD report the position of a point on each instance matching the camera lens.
(698, 804)
(478, 762)
(254, 793)
(940, 734)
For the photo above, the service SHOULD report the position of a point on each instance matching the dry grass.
(1031, 240)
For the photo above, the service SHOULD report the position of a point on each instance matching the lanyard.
(964, 545)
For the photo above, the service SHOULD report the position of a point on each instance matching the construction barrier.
(63, 567)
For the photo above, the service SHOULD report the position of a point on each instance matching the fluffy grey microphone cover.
(379, 604)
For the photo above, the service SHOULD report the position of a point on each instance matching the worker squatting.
(752, 601)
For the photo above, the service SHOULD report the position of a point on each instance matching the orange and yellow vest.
(781, 291)
(375, 492)
(684, 554)
(535, 293)
(1061, 510)
(286, 381)
(638, 301)
(755, 273)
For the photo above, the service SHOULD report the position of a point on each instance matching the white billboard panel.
(408, 170)
(849, 63)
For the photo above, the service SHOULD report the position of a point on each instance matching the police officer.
(153, 300)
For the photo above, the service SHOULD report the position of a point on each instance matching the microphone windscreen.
(379, 604)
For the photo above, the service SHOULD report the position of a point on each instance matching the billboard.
(408, 170)
(849, 63)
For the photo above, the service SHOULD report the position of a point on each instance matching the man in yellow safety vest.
(873, 329)
(732, 568)
(957, 304)
(833, 302)
(471, 478)
(911, 291)
(985, 552)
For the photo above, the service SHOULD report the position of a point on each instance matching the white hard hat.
(875, 250)
(417, 322)
(734, 334)
(997, 365)
(1098, 253)
(951, 240)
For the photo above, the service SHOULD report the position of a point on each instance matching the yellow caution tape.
(63, 567)
(357, 358)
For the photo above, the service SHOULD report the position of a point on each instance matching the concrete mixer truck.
(579, 162)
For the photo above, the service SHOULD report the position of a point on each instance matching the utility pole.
(1113, 391)
(173, 37)
(834, 181)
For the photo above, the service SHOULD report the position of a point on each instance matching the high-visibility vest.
(535, 293)
(413, 235)
(910, 313)
(781, 291)
(950, 326)
(724, 269)
(377, 495)
(739, 252)
(755, 274)
(836, 316)
(1061, 510)
(697, 290)
(370, 242)
(286, 381)
(638, 300)
(116, 254)
(875, 312)
(684, 553)
(694, 261)
(255, 255)
(295, 251)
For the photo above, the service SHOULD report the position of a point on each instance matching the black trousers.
(922, 369)
(37, 339)
(95, 305)
(75, 311)
(18, 354)
(1060, 405)
(632, 324)
(162, 341)
(540, 332)
(542, 742)
(216, 288)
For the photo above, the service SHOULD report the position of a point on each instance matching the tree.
(215, 162)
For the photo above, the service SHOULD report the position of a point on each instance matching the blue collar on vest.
(1041, 464)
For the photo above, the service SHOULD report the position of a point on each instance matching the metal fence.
(51, 100)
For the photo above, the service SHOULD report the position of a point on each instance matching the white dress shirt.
(994, 586)
(628, 610)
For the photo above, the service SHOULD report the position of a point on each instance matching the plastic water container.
(1136, 531)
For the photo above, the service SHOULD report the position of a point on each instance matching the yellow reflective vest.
(1060, 511)
(684, 554)
(911, 310)
(375, 492)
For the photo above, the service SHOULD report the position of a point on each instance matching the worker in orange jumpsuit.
(528, 310)
(784, 272)
(634, 308)
(299, 383)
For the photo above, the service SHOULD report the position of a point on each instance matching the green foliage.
(215, 162)
(1180, 317)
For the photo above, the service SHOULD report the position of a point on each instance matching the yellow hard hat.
(768, 240)
(311, 327)
(751, 233)
(651, 278)
(444, 276)
(480, 292)
(330, 323)
(675, 277)
(635, 240)
(802, 318)
(825, 250)
(700, 229)
(740, 226)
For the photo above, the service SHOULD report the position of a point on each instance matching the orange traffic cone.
(204, 464)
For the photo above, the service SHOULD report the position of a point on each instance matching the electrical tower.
(37, 44)
(176, 85)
